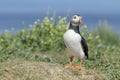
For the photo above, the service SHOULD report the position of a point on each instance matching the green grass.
(44, 42)
(108, 34)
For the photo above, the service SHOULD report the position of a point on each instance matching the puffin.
(75, 42)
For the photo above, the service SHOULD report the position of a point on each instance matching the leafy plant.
(46, 38)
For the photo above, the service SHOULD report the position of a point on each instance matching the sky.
(60, 6)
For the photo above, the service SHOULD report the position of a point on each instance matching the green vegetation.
(44, 42)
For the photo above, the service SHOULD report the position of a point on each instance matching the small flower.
(85, 26)
(51, 19)
(35, 22)
(1, 40)
(90, 36)
(97, 37)
(38, 20)
(23, 30)
(64, 18)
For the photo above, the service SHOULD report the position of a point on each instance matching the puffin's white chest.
(73, 42)
(72, 37)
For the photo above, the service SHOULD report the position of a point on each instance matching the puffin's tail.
(86, 54)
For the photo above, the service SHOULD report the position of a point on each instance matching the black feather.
(85, 47)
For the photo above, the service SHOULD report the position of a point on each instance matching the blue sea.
(18, 21)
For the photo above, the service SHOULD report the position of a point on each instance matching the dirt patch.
(31, 70)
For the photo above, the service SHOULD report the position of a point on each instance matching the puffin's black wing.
(85, 47)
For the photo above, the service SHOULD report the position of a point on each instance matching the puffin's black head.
(76, 20)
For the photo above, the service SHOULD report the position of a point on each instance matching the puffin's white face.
(76, 19)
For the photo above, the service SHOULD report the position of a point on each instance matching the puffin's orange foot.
(69, 65)
(78, 67)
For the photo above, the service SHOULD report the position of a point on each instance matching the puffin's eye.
(74, 17)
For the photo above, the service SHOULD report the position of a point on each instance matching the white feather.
(72, 41)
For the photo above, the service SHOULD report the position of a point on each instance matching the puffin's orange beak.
(81, 21)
